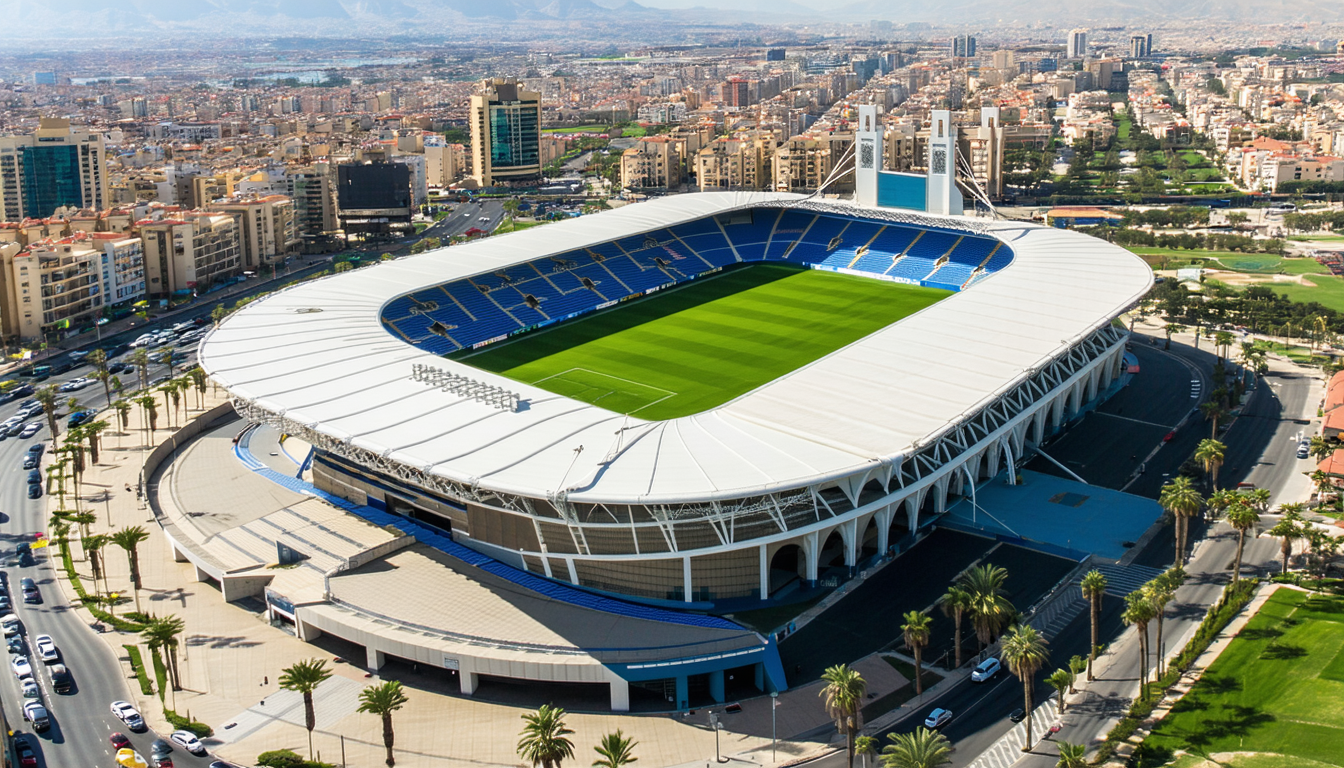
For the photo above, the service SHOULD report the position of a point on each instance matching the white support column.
(849, 534)
(620, 696)
(686, 578)
(883, 518)
(867, 155)
(942, 194)
(912, 505)
(812, 551)
(468, 682)
(765, 573)
(374, 658)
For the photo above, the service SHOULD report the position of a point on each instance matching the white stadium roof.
(341, 373)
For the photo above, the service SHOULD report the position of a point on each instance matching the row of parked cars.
(160, 752)
(45, 650)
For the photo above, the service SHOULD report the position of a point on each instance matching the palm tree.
(1162, 590)
(48, 396)
(1324, 484)
(162, 633)
(304, 677)
(93, 548)
(1023, 650)
(98, 359)
(382, 700)
(1242, 518)
(915, 632)
(165, 389)
(1213, 411)
(199, 380)
(129, 539)
(1061, 679)
(1222, 340)
(1321, 447)
(1072, 755)
(84, 520)
(140, 359)
(150, 410)
(989, 610)
(922, 748)
(1180, 498)
(615, 750)
(93, 432)
(955, 603)
(166, 357)
(865, 746)
(123, 408)
(1219, 501)
(1210, 453)
(844, 692)
(545, 739)
(1139, 611)
(1077, 665)
(1288, 528)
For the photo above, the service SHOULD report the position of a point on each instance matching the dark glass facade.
(51, 179)
(515, 138)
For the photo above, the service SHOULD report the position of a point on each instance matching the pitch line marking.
(596, 401)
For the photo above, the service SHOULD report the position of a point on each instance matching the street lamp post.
(714, 724)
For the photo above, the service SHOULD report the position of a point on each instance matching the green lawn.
(1328, 291)
(1278, 688)
(592, 128)
(1256, 263)
(683, 351)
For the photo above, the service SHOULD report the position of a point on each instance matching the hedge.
(141, 673)
(98, 613)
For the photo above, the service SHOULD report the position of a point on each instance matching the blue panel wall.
(901, 190)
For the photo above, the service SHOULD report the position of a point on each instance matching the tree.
(1094, 589)
(199, 380)
(93, 548)
(544, 740)
(615, 750)
(93, 432)
(1213, 411)
(1161, 591)
(150, 409)
(915, 632)
(1171, 328)
(1321, 447)
(1288, 528)
(129, 539)
(990, 610)
(1242, 519)
(382, 700)
(1210, 453)
(1180, 498)
(865, 746)
(955, 603)
(140, 359)
(303, 678)
(922, 748)
(1023, 650)
(1077, 665)
(1061, 679)
(1139, 611)
(1072, 755)
(166, 390)
(843, 694)
(48, 396)
(1222, 340)
(123, 408)
(98, 359)
(218, 314)
(162, 633)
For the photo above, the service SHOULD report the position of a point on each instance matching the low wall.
(184, 434)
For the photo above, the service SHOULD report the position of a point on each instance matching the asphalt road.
(81, 721)
(484, 214)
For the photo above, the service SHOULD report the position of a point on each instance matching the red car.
(27, 757)
(119, 740)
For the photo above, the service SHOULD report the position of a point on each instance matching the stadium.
(666, 412)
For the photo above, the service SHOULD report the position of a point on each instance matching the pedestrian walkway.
(1008, 749)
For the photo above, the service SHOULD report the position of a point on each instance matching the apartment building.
(190, 252)
(653, 163)
(122, 266)
(267, 230)
(55, 167)
(49, 288)
(730, 163)
(312, 189)
(803, 163)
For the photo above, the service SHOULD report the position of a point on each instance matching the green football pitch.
(700, 345)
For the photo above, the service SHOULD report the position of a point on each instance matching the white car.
(986, 670)
(188, 741)
(11, 624)
(20, 666)
(46, 648)
(30, 430)
(127, 714)
(30, 689)
(938, 718)
(74, 385)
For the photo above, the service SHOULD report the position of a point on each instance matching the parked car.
(118, 740)
(1304, 449)
(32, 429)
(129, 758)
(126, 713)
(24, 752)
(160, 747)
(16, 429)
(11, 624)
(188, 741)
(37, 450)
(986, 670)
(77, 418)
(61, 679)
(20, 667)
(46, 649)
(938, 718)
(34, 492)
(29, 688)
(34, 476)
(35, 713)
(24, 550)
(5, 605)
(28, 587)
(1017, 715)
(31, 460)
(74, 385)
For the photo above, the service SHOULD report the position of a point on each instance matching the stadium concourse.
(928, 354)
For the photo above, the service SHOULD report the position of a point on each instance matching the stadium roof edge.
(338, 372)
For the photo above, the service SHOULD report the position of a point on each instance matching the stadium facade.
(841, 461)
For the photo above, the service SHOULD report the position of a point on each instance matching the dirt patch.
(1228, 277)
